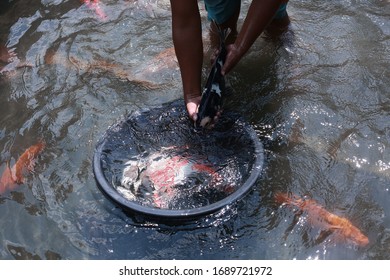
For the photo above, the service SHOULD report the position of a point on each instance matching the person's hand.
(192, 107)
(232, 58)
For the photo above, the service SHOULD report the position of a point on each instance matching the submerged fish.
(148, 76)
(94, 6)
(212, 95)
(159, 174)
(317, 215)
(11, 177)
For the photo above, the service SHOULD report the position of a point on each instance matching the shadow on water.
(316, 97)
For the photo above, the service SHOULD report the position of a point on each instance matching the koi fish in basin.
(212, 95)
(160, 174)
(14, 176)
(318, 216)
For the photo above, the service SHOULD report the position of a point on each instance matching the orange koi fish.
(94, 5)
(148, 76)
(344, 229)
(14, 176)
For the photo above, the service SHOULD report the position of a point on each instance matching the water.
(158, 159)
(317, 97)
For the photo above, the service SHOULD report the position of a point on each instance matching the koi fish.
(94, 5)
(212, 95)
(146, 77)
(159, 174)
(14, 176)
(164, 60)
(344, 229)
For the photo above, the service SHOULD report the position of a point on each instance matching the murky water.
(317, 97)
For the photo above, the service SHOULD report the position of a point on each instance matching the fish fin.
(7, 181)
(281, 198)
(323, 235)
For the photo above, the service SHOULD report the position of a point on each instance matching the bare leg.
(277, 27)
(231, 23)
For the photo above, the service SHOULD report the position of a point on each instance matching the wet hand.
(232, 58)
(192, 107)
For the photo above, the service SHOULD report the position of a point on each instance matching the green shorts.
(222, 10)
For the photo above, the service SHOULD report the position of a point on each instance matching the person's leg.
(279, 23)
(281, 12)
(225, 13)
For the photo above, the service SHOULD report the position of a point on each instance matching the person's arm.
(259, 15)
(187, 39)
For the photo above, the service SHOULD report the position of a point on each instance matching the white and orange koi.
(161, 173)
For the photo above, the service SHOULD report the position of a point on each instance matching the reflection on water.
(317, 97)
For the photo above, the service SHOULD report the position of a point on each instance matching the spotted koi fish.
(317, 215)
(160, 173)
(14, 176)
(212, 95)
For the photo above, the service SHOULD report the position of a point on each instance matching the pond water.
(317, 97)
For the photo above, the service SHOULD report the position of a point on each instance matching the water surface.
(317, 97)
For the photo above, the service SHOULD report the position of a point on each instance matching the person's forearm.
(259, 15)
(187, 39)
